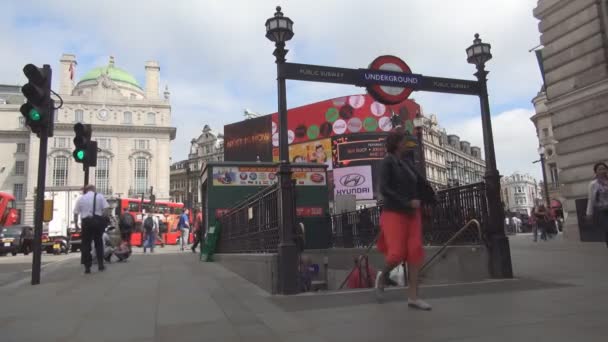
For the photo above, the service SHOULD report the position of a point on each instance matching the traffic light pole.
(86, 174)
(39, 205)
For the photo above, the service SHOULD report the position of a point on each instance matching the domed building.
(131, 123)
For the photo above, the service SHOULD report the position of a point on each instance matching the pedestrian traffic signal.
(85, 151)
(39, 108)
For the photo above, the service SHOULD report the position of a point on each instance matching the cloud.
(515, 141)
(216, 60)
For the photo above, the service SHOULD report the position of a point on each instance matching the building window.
(18, 192)
(20, 167)
(127, 118)
(20, 147)
(553, 173)
(141, 144)
(21, 122)
(60, 171)
(79, 115)
(102, 175)
(141, 175)
(56, 115)
(545, 132)
(104, 143)
(60, 142)
(151, 119)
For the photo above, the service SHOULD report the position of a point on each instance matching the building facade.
(209, 146)
(131, 124)
(520, 193)
(449, 161)
(575, 65)
(542, 120)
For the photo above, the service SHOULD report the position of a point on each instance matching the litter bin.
(210, 243)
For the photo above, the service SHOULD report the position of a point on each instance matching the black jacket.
(400, 183)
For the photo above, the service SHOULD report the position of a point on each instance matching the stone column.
(152, 80)
(66, 74)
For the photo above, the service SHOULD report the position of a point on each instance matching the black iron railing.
(252, 226)
(455, 207)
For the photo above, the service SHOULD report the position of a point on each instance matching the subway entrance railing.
(252, 226)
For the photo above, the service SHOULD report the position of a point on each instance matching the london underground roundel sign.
(389, 94)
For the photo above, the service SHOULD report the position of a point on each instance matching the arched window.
(79, 115)
(140, 173)
(151, 119)
(60, 171)
(102, 175)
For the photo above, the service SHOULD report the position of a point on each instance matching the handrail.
(445, 245)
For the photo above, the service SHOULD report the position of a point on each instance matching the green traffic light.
(34, 115)
(80, 154)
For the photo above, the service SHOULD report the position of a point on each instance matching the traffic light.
(39, 108)
(85, 151)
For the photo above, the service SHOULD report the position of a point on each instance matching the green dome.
(115, 74)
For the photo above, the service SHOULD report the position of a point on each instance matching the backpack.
(149, 225)
(126, 221)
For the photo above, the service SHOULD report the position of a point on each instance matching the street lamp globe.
(478, 53)
(541, 150)
(279, 28)
(419, 121)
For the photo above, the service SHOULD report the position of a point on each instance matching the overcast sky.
(216, 60)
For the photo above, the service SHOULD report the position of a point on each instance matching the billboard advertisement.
(256, 176)
(309, 152)
(357, 149)
(354, 180)
(247, 140)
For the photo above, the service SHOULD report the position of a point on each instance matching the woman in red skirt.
(403, 189)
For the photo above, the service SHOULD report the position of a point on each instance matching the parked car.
(16, 239)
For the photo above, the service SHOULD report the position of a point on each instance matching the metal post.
(39, 205)
(86, 174)
(500, 254)
(188, 197)
(545, 185)
(288, 254)
(422, 161)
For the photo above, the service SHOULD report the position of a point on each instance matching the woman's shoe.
(419, 304)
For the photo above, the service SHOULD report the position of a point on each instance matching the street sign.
(449, 85)
(388, 80)
(393, 81)
(318, 73)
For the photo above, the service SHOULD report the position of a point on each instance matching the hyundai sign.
(354, 180)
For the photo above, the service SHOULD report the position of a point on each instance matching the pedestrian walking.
(597, 203)
(184, 227)
(91, 208)
(157, 229)
(149, 234)
(542, 221)
(404, 191)
(198, 229)
(126, 223)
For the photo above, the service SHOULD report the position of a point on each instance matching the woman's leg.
(412, 282)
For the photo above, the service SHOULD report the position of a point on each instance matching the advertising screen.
(247, 140)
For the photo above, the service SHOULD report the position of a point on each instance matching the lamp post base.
(288, 266)
(500, 257)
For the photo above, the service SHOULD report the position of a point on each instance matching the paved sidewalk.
(560, 295)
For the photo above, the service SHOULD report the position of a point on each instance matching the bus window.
(134, 207)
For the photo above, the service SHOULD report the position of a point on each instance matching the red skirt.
(401, 237)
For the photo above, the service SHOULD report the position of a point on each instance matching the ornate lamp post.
(279, 29)
(500, 255)
(541, 152)
(419, 124)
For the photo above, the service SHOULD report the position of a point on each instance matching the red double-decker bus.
(167, 212)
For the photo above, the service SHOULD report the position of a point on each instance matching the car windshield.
(11, 231)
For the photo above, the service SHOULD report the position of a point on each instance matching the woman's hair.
(597, 166)
(393, 140)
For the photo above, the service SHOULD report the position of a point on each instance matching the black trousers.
(91, 233)
(198, 238)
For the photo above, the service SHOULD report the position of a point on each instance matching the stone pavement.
(560, 294)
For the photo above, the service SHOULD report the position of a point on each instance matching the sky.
(216, 60)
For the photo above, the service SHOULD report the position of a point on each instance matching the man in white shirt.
(91, 207)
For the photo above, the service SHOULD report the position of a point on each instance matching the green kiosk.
(225, 184)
